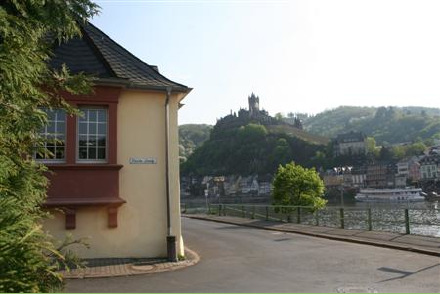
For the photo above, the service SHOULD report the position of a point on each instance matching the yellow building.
(115, 177)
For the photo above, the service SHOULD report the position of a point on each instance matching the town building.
(380, 175)
(352, 143)
(430, 167)
(114, 170)
(408, 169)
(414, 170)
(359, 176)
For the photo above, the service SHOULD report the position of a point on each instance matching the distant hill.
(252, 148)
(300, 134)
(385, 124)
(191, 137)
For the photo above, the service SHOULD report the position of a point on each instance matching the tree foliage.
(248, 149)
(298, 186)
(386, 124)
(28, 29)
(191, 137)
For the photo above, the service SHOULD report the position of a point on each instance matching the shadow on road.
(404, 274)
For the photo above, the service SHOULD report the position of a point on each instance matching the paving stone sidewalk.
(114, 267)
(415, 243)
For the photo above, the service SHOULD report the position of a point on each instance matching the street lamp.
(342, 195)
(206, 199)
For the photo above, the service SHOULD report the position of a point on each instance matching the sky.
(297, 56)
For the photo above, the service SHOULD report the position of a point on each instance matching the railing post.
(184, 208)
(209, 208)
(370, 222)
(267, 213)
(298, 215)
(317, 218)
(224, 209)
(253, 212)
(219, 210)
(341, 217)
(407, 228)
(243, 213)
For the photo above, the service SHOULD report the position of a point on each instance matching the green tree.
(371, 145)
(279, 116)
(28, 29)
(296, 185)
(252, 132)
(415, 149)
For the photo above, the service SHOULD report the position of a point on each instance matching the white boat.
(390, 195)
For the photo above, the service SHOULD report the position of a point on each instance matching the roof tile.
(97, 54)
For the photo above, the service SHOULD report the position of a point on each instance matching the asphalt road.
(239, 259)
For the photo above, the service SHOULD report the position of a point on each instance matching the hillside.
(192, 136)
(300, 134)
(249, 149)
(385, 124)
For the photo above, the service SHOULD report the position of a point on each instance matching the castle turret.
(254, 105)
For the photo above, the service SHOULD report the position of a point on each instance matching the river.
(424, 217)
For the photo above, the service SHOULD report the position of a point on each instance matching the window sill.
(83, 166)
(83, 201)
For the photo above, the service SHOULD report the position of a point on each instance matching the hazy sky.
(297, 56)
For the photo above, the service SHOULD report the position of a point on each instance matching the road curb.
(357, 240)
(130, 269)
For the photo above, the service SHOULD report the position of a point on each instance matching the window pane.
(82, 153)
(60, 127)
(82, 129)
(92, 128)
(92, 115)
(50, 128)
(59, 154)
(92, 142)
(82, 141)
(92, 153)
(102, 129)
(50, 114)
(92, 137)
(102, 115)
(101, 153)
(101, 141)
(54, 134)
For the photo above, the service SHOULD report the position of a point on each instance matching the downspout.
(171, 240)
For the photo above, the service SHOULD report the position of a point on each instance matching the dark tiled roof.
(95, 53)
(430, 159)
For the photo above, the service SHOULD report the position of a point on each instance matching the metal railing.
(402, 220)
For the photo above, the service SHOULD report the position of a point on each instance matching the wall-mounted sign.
(143, 160)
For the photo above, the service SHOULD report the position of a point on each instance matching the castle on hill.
(254, 115)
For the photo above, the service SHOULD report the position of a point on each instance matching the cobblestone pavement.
(114, 267)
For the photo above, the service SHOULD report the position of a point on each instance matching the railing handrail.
(330, 216)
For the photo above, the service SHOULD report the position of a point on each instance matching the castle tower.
(254, 105)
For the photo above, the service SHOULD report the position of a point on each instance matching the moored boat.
(431, 196)
(390, 195)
